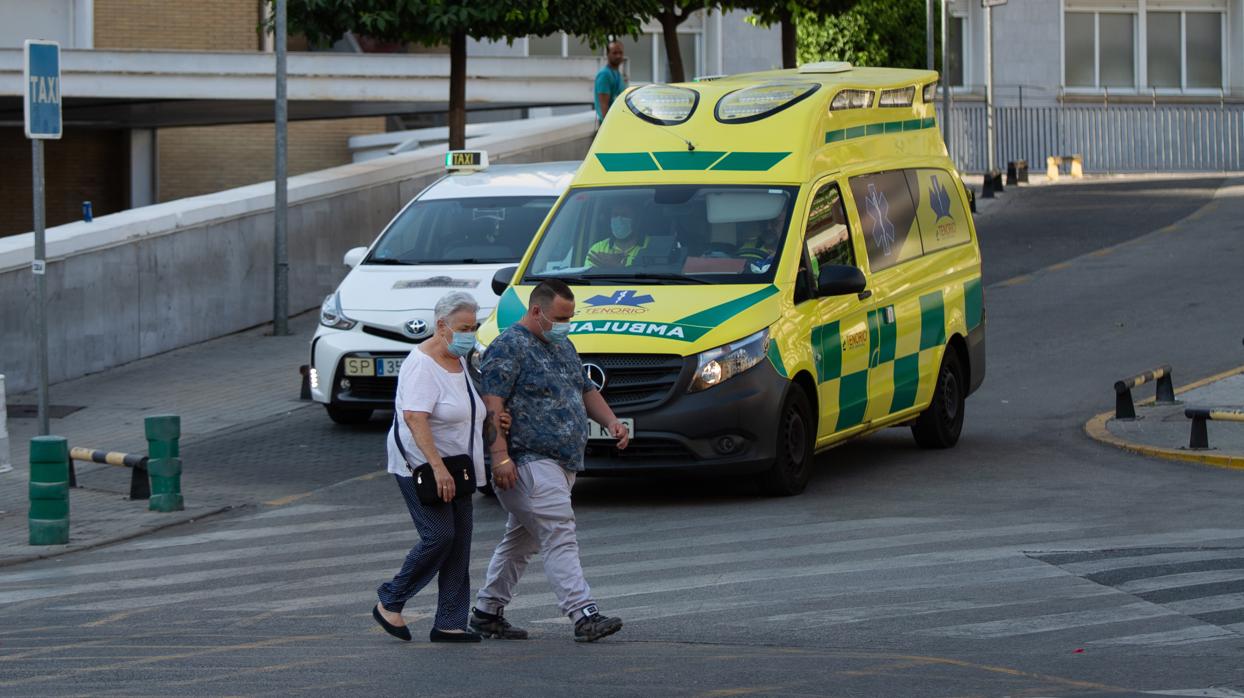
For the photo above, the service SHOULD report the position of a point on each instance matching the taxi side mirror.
(354, 256)
(502, 279)
(840, 280)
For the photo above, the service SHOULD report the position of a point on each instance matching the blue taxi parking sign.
(41, 101)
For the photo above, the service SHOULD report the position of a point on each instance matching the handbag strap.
(398, 440)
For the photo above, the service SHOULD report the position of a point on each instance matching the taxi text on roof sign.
(466, 160)
(42, 94)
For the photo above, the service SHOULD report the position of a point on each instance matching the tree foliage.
(886, 33)
(789, 15)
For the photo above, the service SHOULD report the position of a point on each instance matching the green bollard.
(164, 462)
(49, 491)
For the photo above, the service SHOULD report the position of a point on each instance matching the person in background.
(434, 404)
(760, 250)
(609, 81)
(533, 371)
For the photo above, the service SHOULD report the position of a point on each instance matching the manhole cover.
(32, 411)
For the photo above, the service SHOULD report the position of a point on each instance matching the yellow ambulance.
(764, 266)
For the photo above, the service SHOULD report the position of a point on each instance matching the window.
(461, 231)
(1184, 50)
(954, 57)
(939, 210)
(667, 234)
(888, 218)
(1099, 49)
(827, 238)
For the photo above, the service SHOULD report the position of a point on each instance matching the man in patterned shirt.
(533, 371)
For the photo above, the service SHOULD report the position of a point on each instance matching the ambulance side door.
(839, 332)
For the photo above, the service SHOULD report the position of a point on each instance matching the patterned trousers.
(444, 550)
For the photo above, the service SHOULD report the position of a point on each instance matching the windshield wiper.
(649, 276)
(385, 260)
(571, 280)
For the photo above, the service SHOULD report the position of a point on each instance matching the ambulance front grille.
(637, 382)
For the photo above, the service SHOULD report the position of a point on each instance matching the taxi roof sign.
(466, 160)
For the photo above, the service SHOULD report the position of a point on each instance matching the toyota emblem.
(594, 375)
(416, 328)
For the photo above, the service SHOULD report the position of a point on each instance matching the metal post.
(280, 286)
(928, 31)
(991, 163)
(41, 285)
(946, 78)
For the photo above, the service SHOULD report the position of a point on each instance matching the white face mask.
(557, 332)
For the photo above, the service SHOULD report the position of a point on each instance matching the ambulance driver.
(624, 241)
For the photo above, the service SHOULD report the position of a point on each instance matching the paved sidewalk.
(214, 386)
(1163, 430)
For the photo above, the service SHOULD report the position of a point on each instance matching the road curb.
(1096, 430)
(9, 562)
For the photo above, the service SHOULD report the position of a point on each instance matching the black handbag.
(460, 467)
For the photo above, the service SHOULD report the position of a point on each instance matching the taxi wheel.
(346, 415)
(942, 421)
(792, 468)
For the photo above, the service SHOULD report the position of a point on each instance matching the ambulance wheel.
(346, 415)
(792, 468)
(942, 421)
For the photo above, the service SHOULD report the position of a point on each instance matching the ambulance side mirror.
(840, 280)
(502, 279)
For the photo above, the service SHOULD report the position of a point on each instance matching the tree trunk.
(788, 40)
(673, 53)
(457, 90)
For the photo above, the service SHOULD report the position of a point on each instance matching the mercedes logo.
(416, 328)
(594, 375)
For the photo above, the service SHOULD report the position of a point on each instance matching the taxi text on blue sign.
(41, 103)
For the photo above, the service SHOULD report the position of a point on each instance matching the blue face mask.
(558, 332)
(462, 344)
(621, 227)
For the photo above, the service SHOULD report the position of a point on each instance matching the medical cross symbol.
(879, 219)
(627, 298)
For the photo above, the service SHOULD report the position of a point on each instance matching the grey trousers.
(541, 520)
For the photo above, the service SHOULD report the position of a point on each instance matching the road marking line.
(1183, 636)
(1174, 581)
(1011, 627)
(1208, 604)
(1118, 564)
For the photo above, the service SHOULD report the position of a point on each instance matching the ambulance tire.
(939, 425)
(348, 415)
(796, 448)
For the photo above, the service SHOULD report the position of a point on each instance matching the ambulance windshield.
(666, 234)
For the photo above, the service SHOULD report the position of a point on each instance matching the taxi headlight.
(663, 104)
(753, 103)
(331, 315)
(719, 365)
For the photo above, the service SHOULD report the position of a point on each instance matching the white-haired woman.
(434, 406)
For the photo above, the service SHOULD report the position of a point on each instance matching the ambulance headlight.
(753, 103)
(663, 104)
(331, 315)
(723, 363)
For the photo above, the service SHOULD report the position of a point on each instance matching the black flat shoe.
(442, 636)
(401, 632)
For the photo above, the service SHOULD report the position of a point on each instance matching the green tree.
(873, 32)
(789, 14)
(437, 22)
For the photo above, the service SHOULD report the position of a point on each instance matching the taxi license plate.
(597, 432)
(357, 366)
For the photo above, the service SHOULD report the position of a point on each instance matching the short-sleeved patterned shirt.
(542, 384)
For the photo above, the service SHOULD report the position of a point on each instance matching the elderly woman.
(435, 403)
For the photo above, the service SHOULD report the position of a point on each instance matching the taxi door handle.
(865, 294)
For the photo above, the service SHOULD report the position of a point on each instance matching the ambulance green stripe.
(626, 162)
(844, 134)
(973, 303)
(932, 321)
(510, 310)
(827, 341)
(750, 162)
(852, 400)
(906, 381)
(775, 358)
(688, 159)
(884, 337)
(718, 314)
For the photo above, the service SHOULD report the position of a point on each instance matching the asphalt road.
(1026, 561)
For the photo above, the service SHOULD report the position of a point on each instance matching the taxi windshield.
(462, 231)
(669, 234)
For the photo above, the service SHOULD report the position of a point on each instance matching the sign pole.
(41, 112)
(41, 285)
(280, 210)
(946, 77)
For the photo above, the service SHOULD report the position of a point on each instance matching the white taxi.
(453, 236)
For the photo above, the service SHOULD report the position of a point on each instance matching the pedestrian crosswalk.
(1016, 580)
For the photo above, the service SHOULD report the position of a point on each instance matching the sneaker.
(593, 626)
(495, 626)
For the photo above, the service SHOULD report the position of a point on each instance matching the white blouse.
(423, 385)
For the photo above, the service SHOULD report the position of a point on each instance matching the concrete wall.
(747, 48)
(149, 280)
(1027, 51)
